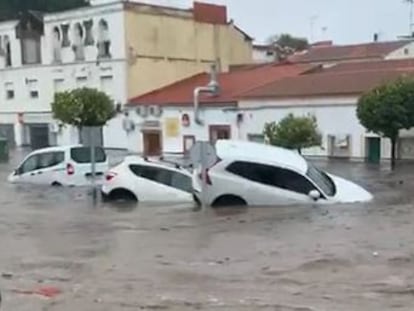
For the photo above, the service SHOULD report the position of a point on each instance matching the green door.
(374, 149)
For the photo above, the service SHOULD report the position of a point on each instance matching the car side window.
(163, 176)
(152, 173)
(31, 164)
(272, 176)
(181, 182)
(50, 159)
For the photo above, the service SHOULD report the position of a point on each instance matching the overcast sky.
(344, 21)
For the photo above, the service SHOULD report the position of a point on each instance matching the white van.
(61, 166)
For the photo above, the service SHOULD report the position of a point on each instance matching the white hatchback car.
(143, 180)
(60, 166)
(248, 173)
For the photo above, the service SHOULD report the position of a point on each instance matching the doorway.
(39, 136)
(219, 132)
(373, 149)
(152, 143)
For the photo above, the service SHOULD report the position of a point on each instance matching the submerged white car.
(60, 166)
(255, 174)
(143, 180)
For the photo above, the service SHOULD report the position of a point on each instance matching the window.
(9, 87)
(322, 180)
(65, 35)
(77, 47)
(34, 94)
(7, 49)
(31, 164)
(88, 32)
(33, 88)
(182, 182)
(9, 94)
(58, 85)
(163, 176)
(50, 159)
(104, 43)
(272, 176)
(31, 51)
(83, 155)
(57, 55)
(81, 82)
(107, 85)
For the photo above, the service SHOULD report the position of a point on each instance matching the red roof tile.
(372, 65)
(345, 83)
(232, 84)
(374, 50)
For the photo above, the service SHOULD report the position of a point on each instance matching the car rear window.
(83, 154)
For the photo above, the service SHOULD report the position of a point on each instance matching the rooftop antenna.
(312, 25)
(411, 16)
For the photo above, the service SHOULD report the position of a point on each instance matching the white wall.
(38, 110)
(212, 116)
(335, 116)
(113, 14)
(406, 51)
(261, 56)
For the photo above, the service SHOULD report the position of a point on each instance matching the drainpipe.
(212, 88)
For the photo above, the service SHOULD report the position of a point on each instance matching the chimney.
(376, 37)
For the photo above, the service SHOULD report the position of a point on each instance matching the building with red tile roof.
(356, 52)
(253, 95)
(232, 84)
(331, 95)
(343, 79)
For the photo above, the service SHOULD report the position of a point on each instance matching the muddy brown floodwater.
(298, 258)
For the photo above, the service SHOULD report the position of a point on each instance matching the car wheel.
(56, 184)
(122, 195)
(229, 201)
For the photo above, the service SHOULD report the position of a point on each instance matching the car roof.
(133, 159)
(261, 153)
(55, 149)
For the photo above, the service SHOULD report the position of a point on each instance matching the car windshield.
(322, 180)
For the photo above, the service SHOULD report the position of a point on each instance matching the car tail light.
(208, 179)
(70, 170)
(109, 176)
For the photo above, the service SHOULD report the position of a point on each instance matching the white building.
(44, 54)
(264, 53)
(246, 104)
(165, 121)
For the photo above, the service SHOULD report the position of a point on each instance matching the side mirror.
(315, 195)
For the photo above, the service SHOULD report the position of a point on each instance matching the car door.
(271, 185)
(27, 172)
(154, 183)
(51, 168)
(183, 186)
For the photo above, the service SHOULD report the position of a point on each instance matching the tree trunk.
(80, 136)
(300, 151)
(393, 152)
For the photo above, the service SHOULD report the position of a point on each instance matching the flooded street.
(300, 258)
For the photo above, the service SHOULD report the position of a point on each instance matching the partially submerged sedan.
(140, 179)
(248, 173)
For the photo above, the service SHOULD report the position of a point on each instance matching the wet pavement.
(298, 258)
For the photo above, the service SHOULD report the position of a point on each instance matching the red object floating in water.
(45, 291)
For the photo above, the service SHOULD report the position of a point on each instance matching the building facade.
(249, 99)
(119, 47)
